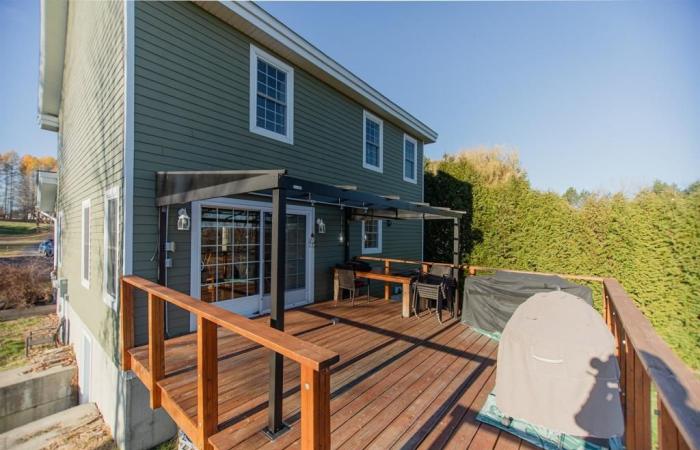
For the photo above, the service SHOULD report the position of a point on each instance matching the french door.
(231, 255)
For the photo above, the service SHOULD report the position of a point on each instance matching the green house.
(137, 88)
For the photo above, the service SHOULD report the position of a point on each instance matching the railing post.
(156, 347)
(207, 383)
(315, 408)
(630, 413)
(126, 322)
(277, 288)
(387, 286)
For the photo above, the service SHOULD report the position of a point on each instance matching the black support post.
(346, 234)
(162, 236)
(279, 258)
(456, 262)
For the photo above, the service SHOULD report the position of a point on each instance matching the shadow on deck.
(400, 383)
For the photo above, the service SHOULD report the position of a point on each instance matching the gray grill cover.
(489, 301)
(557, 368)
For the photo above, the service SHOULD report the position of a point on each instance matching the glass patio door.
(230, 258)
(297, 237)
(234, 245)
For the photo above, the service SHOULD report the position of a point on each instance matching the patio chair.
(437, 285)
(348, 282)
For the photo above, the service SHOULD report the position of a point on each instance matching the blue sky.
(599, 96)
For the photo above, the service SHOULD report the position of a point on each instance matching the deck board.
(400, 383)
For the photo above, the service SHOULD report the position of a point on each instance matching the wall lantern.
(321, 226)
(183, 220)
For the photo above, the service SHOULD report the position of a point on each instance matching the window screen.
(271, 98)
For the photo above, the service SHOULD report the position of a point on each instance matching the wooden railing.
(315, 361)
(645, 362)
(651, 374)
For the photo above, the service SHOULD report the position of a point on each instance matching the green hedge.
(650, 242)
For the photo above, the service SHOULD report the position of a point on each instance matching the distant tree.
(660, 187)
(693, 188)
(576, 198)
(17, 185)
(9, 162)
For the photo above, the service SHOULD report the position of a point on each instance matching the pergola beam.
(186, 187)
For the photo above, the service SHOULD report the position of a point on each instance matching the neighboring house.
(136, 88)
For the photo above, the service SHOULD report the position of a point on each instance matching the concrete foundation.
(26, 397)
(121, 397)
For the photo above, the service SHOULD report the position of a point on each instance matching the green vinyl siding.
(90, 152)
(192, 113)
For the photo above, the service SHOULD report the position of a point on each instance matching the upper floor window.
(271, 96)
(85, 245)
(373, 137)
(111, 245)
(371, 236)
(410, 159)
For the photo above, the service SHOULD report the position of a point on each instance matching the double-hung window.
(371, 236)
(373, 137)
(410, 159)
(85, 245)
(111, 246)
(271, 96)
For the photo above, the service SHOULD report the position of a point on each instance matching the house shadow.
(664, 379)
(444, 190)
(602, 413)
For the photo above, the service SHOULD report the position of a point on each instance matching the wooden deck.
(400, 382)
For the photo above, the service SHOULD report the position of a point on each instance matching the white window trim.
(255, 54)
(378, 248)
(58, 244)
(85, 281)
(413, 180)
(112, 193)
(368, 115)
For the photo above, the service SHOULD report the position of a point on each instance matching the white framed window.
(410, 159)
(271, 96)
(372, 142)
(371, 236)
(110, 275)
(58, 245)
(85, 245)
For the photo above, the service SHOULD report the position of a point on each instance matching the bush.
(25, 283)
(650, 242)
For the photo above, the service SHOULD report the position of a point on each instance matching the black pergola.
(184, 187)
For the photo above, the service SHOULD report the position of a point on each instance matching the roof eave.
(261, 26)
(54, 14)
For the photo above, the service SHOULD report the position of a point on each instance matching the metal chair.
(438, 286)
(348, 282)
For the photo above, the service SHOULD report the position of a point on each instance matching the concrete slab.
(41, 432)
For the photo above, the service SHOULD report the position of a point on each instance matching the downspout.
(54, 274)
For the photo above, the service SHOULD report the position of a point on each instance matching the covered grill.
(557, 368)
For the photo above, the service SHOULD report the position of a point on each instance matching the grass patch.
(12, 339)
(167, 445)
(12, 228)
